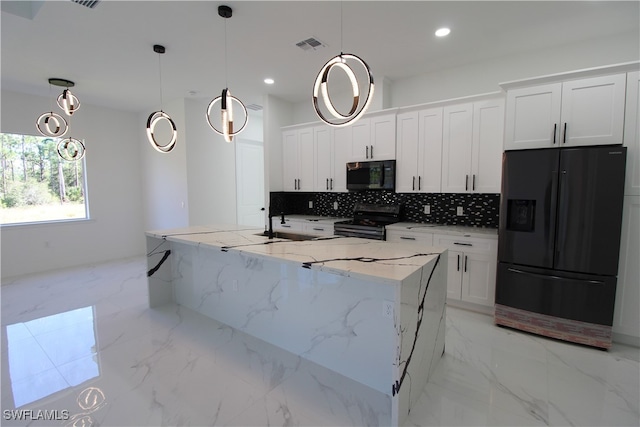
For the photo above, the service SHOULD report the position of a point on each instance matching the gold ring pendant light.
(225, 99)
(158, 116)
(321, 88)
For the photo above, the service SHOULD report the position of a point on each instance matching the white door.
(632, 135)
(306, 161)
(361, 140)
(488, 125)
(533, 117)
(430, 150)
(454, 274)
(250, 182)
(323, 154)
(383, 137)
(290, 160)
(456, 148)
(479, 278)
(593, 110)
(407, 153)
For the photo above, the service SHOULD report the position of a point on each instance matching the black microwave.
(378, 175)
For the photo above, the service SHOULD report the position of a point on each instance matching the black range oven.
(368, 221)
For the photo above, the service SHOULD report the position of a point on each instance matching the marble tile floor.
(80, 347)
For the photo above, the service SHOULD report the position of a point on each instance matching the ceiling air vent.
(88, 3)
(311, 43)
(254, 107)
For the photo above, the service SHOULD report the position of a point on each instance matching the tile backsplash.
(480, 210)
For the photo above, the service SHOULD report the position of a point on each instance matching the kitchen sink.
(295, 237)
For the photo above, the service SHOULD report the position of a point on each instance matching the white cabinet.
(289, 225)
(298, 159)
(472, 147)
(317, 229)
(632, 135)
(330, 147)
(580, 112)
(626, 319)
(419, 151)
(374, 138)
(420, 238)
(471, 268)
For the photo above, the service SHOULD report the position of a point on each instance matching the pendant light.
(53, 124)
(321, 89)
(225, 99)
(157, 116)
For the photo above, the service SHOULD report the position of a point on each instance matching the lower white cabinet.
(425, 239)
(471, 268)
(317, 229)
(289, 225)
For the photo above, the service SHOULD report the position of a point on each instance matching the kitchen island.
(369, 310)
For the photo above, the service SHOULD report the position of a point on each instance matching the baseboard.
(482, 309)
(626, 339)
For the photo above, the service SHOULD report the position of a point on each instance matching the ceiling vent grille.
(254, 107)
(88, 3)
(311, 43)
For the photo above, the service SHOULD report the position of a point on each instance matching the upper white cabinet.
(374, 138)
(331, 147)
(472, 140)
(587, 111)
(632, 135)
(298, 159)
(419, 151)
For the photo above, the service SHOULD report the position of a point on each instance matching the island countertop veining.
(354, 257)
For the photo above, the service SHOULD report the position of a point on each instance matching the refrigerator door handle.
(544, 276)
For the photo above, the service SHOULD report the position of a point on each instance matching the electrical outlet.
(387, 309)
(427, 209)
(310, 204)
(235, 286)
(460, 211)
(335, 206)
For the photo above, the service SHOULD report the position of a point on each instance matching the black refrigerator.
(559, 241)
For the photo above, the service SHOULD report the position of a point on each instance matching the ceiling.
(108, 50)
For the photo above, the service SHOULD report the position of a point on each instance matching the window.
(36, 185)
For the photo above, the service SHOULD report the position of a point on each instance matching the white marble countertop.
(455, 230)
(382, 261)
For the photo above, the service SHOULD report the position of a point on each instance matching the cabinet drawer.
(465, 244)
(425, 239)
(318, 229)
(287, 226)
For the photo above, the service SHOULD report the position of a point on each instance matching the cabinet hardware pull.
(458, 263)
(414, 184)
(466, 261)
(295, 184)
(564, 137)
(372, 151)
(331, 184)
(286, 226)
(419, 182)
(463, 244)
(555, 126)
(407, 238)
(367, 151)
(327, 183)
(298, 183)
(466, 183)
(318, 229)
(473, 186)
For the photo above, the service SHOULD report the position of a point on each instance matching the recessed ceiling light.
(269, 81)
(441, 32)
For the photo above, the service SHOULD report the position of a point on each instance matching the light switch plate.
(335, 206)
(310, 204)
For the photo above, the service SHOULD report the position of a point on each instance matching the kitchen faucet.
(282, 221)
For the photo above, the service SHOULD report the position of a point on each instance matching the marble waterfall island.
(372, 311)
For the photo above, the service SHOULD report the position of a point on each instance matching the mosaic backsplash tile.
(480, 210)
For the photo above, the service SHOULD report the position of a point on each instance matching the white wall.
(164, 175)
(277, 113)
(482, 77)
(114, 191)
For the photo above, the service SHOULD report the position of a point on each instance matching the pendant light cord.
(160, 74)
(226, 62)
(341, 30)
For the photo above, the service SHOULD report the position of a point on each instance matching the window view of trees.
(36, 184)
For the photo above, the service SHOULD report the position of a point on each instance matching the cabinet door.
(290, 160)
(342, 138)
(455, 269)
(533, 117)
(322, 151)
(593, 110)
(626, 318)
(306, 162)
(486, 154)
(361, 142)
(430, 150)
(407, 153)
(383, 137)
(632, 135)
(456, 148)
(479, 278)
